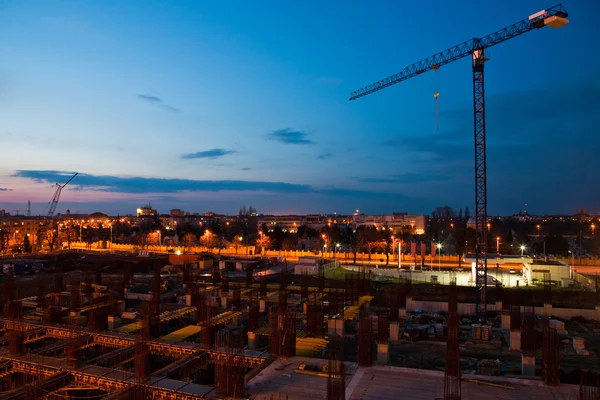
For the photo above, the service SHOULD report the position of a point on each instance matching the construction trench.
(115, 327)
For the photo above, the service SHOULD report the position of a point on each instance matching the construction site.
(117, 327)
(137, 326)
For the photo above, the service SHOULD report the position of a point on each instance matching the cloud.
(152, 99)
(115, 187)
(158, 101)
(246, 169)
(324, 156)
(407, 178)
(289, 136)
(209, 154)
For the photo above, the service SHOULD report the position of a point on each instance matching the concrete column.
(305, 308)
(383, 353)
(527, 365)
(499, 305)
(188, 300)
(402, 313)
(113, 322)
(224, 302)
(252, 340)
(262, 306)
(515, 340)
(335, 326)
(506, 321)
(394, 331)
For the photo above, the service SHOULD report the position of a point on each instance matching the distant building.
(146, 211)
(414, 224)
(176, 212)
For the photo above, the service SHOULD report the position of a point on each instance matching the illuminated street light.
(497, 244)
(522, 248)
(593, 228)
(439, 247)
(538, 228)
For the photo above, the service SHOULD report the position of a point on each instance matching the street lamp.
(324, 247)
(497, 244)
(572, 264)
(400, 253)
(538, 228)
(335, 250)
(489, 226)
(593, 228)
(522, 248)
(439, 247)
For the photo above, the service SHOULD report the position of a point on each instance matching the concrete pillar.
(527, 365)
(188, 300)
(335, 326)
(251, 340)
(499, 305)
(402, 313)
(305, 308)
(506, 321)
(383, 353)
(224, 302)
(515, 340)
(113, 322)
(394, 331)
(262, 306)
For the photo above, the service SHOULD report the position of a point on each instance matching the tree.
(289, 243)
(247, 212)
(189, 239)
(207, 239)
(461, 233)
(51, 236)
(27, 244)
(67, 234)
(4, 240)
(442, 221)
(263, 241)
(386, 243)
(371, 238)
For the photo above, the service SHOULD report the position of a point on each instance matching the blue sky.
(213, 105)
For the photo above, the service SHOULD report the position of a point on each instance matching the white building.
(414, 224)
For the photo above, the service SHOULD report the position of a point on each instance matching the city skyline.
(197, 107)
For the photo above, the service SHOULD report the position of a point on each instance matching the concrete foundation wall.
(469, 309)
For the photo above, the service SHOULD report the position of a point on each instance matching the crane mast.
(555, 17)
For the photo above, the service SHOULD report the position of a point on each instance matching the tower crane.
(555, 17)
(56, 197)
(43, 229)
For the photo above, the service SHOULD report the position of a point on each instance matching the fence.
(375, 258)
